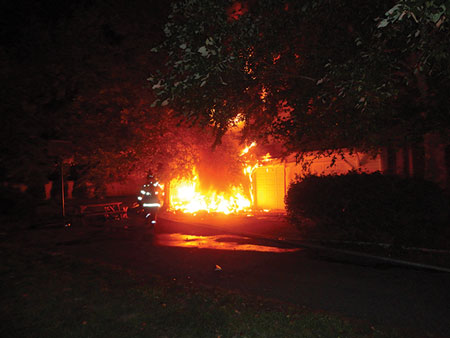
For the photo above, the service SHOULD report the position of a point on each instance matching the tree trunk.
(418, 160)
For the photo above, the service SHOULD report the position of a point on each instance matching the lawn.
(50, 295)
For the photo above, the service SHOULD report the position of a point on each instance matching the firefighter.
(149, 199)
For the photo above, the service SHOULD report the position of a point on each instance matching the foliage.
(370, 207)
(314, 74)
(76, 73)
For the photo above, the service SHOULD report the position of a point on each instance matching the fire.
(249, 169)
(186, 195)
(247, 148)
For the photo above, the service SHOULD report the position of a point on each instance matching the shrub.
(13, 201)
(369, 207)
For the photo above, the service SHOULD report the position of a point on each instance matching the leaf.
(183, 46)
(203, 51)
(157, 85)
(165, 103)
(167, 31)
(383, 23)
(435, 17)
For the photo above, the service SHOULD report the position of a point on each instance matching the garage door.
(269, 186)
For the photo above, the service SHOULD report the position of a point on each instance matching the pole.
(62, 189)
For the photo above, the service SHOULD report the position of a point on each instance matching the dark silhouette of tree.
(314, 74)
(76, 73)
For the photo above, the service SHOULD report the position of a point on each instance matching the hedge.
(370, 207)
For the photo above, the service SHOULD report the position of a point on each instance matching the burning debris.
(221, 183)
(188, 196)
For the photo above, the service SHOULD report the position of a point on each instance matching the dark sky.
(53, 40)
(53, 51)
(25, 23)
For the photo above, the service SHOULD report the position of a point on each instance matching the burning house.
(257, 182)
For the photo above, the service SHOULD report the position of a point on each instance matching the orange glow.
(235, 11)
(218, 242)
(284, 110)
(238, 122)
(250, 168)
(247, 148)
(276, 58)
(187, 196)
(247, 67)
(263, 94)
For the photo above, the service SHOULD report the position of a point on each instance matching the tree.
(316, 74)
(409, 51)
(76, 73)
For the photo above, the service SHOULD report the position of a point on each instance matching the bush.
(13, 201)
(370, 207)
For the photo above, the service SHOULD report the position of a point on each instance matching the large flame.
(187, 196)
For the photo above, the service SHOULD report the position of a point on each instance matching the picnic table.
(109, 210)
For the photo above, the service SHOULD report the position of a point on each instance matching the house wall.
(271, 182)
(428, 160)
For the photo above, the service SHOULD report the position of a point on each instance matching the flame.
(247, 148)
(187, 196)
(249, 169)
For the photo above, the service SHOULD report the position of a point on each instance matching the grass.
(47, 295)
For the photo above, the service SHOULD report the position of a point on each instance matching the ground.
(231, 253)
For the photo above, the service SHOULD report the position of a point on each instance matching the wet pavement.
(226, 256)
(217, 242)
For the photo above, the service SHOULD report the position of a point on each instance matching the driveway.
(221, 253)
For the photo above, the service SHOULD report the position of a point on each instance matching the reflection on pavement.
(220, 242)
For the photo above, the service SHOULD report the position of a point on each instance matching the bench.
(111, 210)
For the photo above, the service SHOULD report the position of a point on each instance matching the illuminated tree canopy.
(313, 74)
